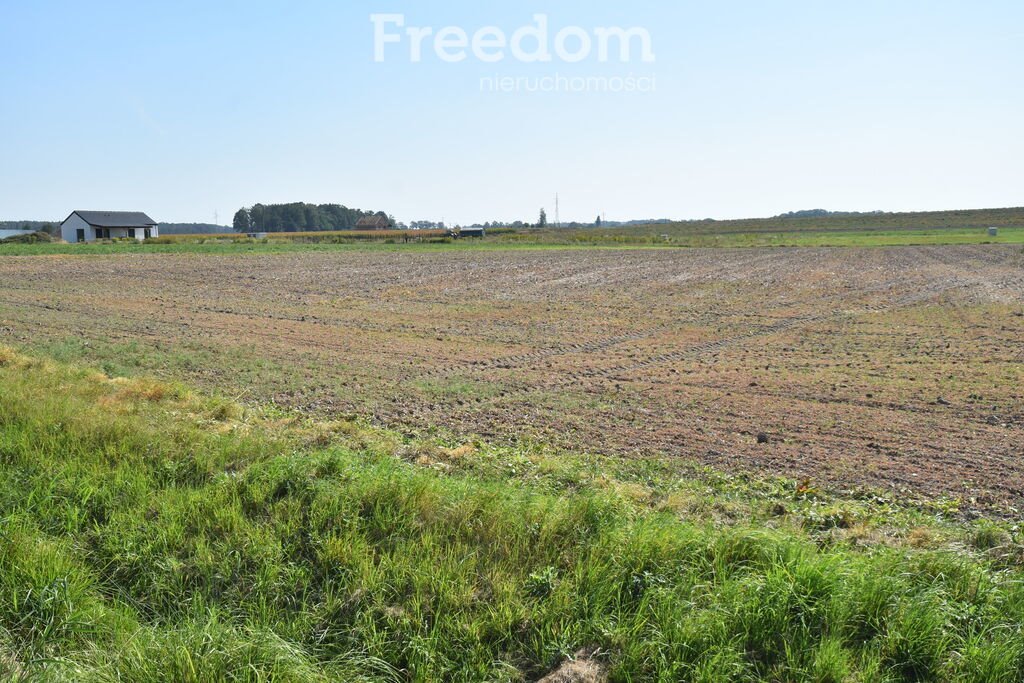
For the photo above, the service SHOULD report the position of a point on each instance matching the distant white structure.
(87, 226)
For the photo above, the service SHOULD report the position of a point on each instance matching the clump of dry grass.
(922, 537)
(581, 668)
(461, 451)
(136, 389)
(10, 357)
(7, 355)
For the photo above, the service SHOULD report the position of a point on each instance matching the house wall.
(121, 233)
(73, 223)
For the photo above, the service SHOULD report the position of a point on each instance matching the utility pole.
(558, 220)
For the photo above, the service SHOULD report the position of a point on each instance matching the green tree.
(542, 222)
(242, 221)
(258, 218)
(598, 222)
(299, 216)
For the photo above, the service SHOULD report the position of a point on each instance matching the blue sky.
(185, 109)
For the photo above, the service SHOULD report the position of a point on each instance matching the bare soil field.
(896, 368)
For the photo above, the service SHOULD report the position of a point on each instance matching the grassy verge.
(147, 533)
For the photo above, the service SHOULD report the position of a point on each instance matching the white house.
(86, 226)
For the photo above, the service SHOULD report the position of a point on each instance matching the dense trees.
(241, 222)
(298, 217)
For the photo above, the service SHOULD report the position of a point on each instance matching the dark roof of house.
(115, 219)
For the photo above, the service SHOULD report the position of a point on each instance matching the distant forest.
(299, 217)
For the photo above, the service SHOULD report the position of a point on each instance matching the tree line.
(300, 217)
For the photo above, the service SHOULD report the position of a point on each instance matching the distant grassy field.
(148, 533)
(768, 238)
(971, 219)
(578, 239)
(318, 235)
(906, 229)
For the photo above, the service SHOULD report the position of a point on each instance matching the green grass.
(621, 238)
(964, 219)
(282, 246)
(150, 534)
(865, 238)
(780, 238)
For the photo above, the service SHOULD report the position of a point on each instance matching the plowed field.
(887, 368)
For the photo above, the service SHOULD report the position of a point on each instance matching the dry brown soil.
(892, 368)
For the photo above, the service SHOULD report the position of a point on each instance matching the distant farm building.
(373, 223)
(87, 226)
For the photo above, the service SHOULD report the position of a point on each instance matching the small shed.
(88, 226)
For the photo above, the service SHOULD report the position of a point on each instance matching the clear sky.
(184, 109)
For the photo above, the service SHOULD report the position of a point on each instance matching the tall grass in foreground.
(147, 534)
